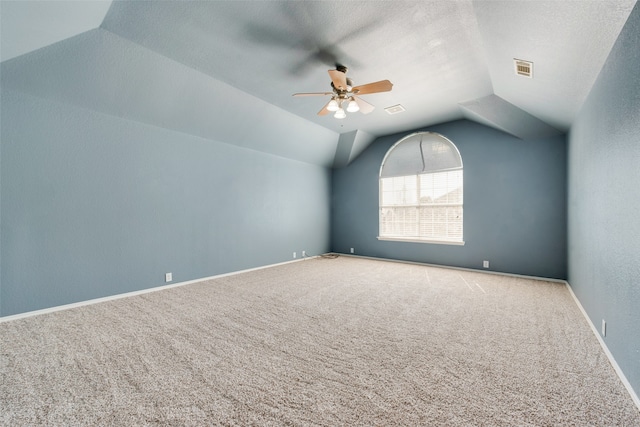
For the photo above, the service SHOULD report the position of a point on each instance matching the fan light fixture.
(353, 106)
(343, 94)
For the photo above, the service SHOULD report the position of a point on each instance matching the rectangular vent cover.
(395, 109)
(523, 68)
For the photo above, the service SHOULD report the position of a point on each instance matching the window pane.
(399, 191)
(422, 152)
(399, 221)
(441, 187)
(424, 205)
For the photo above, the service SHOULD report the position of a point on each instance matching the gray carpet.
(323, 342)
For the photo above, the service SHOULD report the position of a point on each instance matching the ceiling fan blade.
(365, 107)
(313, 94)
(381, 86)
(324, 110)
(339, 79)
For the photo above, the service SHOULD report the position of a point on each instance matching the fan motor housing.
(339, 92)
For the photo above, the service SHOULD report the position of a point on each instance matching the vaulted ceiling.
(226, 70)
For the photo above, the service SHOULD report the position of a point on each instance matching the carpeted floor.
(324, 342)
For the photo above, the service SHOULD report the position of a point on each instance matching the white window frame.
(416, 204)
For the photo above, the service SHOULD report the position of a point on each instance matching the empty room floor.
(320, 342)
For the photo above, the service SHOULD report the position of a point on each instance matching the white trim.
(139, 292)
(416, 240)
(613, 362)
(499, 273)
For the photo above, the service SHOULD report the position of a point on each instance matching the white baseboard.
(140, 292)
(474, 270)
(613, 362)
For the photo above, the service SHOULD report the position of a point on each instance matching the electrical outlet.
(168, 277)
(304, 254)
(294, 255)
(352, 250)
(485, 264)
(604, 328)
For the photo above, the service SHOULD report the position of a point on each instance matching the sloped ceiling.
(568, 42)
(227, 70)
(31, 25)
(101, 71)
(275, 49)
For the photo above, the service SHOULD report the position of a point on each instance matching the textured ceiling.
(178, 64)
(568, 42)
(273, 49)
(30, 25)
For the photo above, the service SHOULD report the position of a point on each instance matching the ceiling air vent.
(523, 68)
(395, 109)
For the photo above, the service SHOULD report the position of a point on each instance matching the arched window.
(421, 190)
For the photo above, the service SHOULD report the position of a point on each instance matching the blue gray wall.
(604, 201)
(95, 205)
(514, 204)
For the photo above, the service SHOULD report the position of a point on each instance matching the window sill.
(410, 240)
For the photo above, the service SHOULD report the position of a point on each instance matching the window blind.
(421, 189)
(420, 153)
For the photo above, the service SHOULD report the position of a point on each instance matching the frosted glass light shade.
(353, 106)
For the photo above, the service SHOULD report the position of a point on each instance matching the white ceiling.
(30, 25)
(447, 59)
(271, 50)
(568, 41)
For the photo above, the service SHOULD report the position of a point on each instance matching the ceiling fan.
(343, 96)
